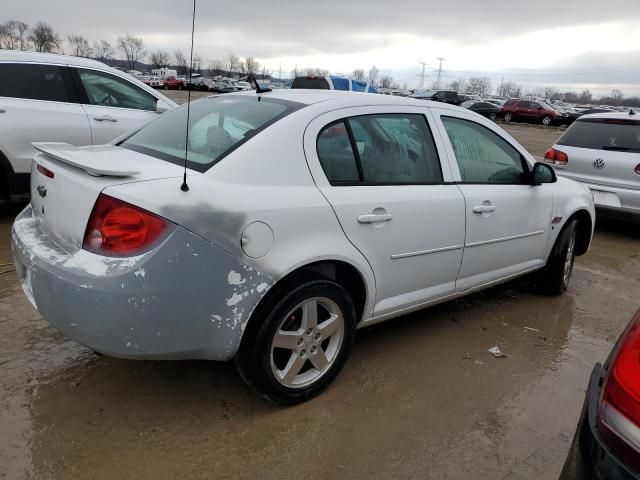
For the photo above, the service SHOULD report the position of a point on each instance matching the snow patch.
(234, 278)
(236, 298)
(262, 287)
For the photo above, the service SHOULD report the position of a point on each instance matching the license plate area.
(605, 199)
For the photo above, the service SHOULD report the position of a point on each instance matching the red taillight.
(620, 401)
(556, 157)
(119, 229)
(45, 171)
(637, 169)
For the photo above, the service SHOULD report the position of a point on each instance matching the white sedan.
(305, 215)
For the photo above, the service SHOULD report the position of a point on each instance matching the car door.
(522, 110)
(380, 169)
(114, 105)
(508, 218)
(38, 103)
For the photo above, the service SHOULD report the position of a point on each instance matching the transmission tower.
(436, 85)
(422, 75)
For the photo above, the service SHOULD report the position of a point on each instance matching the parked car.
(529, 111)
(486, 109)
(223, 86)
(465, 97)
(46, 97)
(173, 83)
(308, 214)
(496, 101)
(602, 151)
(330, 82)
(443, 96)
(607, 442)
(156, 82)
(242, 86)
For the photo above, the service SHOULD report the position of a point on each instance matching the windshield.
(603, 134)
(217, 126)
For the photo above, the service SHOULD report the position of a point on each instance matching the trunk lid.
(66, 181)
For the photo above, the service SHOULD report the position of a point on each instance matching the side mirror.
(162, 106)
(543, 173)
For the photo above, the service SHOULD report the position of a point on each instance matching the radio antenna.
(185, 187)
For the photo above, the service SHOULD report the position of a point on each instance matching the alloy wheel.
(307, 342)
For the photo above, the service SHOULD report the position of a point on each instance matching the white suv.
(46, 97)
(603, 152)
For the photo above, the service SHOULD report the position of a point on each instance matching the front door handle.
(483, 208)
(105, 118)
(375, 218)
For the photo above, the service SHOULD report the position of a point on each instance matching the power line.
(422, 75)
(436, 85)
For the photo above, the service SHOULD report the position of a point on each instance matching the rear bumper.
(589, 457)
(177, 301)
(629, 199)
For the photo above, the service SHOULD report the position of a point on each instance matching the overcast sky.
(571, 43)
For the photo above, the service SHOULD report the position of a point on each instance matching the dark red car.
(535, 112)
(173, 83)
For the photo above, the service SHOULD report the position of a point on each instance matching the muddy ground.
(420, 398)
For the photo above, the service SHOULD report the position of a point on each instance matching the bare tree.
(457, 85)
(386, 81)
(374, 72)
(479, 86)
(231, 62)
(79, 46)
(320, 72)
(44, 38)
(358, 74)
(264, 72)
(181, 62)
(509, 90)
(13, 35)
(102, 50)
(159, 59)
(585, 97)
(616, 96)
(216, 67)
(133, 48)
(250, 66)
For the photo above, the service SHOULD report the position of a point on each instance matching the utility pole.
(436, 85)
(280, 72)
(422, 75)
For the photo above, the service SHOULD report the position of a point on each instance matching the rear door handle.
(375, 218)
(105, 118)
(484, 208)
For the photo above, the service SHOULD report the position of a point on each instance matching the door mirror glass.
(543, 173)
(162, 106)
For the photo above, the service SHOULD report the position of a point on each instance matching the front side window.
(217, 126)
(482, 155)
(106, 90)
(36, 82)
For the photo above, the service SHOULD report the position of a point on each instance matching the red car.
(528, 111)
(173, 83)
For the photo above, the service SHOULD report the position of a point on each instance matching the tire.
(547, 120)
(307, 360)
(508, 117)
(555, 276)
(493, 116)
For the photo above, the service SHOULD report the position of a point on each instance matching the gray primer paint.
(185, 299)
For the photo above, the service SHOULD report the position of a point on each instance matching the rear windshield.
(603, 134)
(317, 83)
(217, 126)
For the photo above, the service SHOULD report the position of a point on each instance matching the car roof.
(613, 115)
(18, 56)
(348, 98)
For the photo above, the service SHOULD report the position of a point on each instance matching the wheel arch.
(584, 232)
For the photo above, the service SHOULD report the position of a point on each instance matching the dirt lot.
(420, 398)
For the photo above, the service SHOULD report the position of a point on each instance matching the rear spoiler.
(98, 160)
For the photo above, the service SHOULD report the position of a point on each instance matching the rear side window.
(482, 155)
(107, 90)
(336, 154)
(36, 82)
(217, 126)
(603, 134)
(385, 149)
(315, 83)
